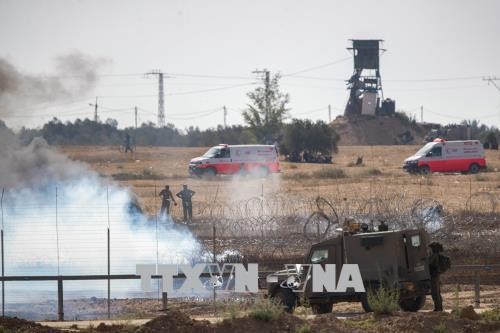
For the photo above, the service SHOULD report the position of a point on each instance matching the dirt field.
(382, 173)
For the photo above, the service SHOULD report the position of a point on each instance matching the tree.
(267, 110)
(304, 135)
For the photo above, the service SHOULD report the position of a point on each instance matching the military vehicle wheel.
(412, 304)
(424, 169)
(474, 168)
(287, 298)
(322, 308)
(364, 303)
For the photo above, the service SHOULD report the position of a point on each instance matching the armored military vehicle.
(393, 259)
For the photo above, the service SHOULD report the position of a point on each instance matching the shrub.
(305, 328)
(370, 172)
(266, 310)
(145, 174)
(329, 173)
(492, 315)
(383, 301)
(297, 176)
(233, 311)
(440, 328)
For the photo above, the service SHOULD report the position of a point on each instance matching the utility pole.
(96, 117)
(492, 79)
(225, 115)
(421, 113)
(329, 113)
(161, 98)
(267, 90)
(135, 113)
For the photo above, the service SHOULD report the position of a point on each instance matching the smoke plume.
(56, 213)
(75, 75)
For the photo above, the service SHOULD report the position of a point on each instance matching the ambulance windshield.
(425, 149)
(212, 152)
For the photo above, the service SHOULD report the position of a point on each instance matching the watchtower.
(365, 85)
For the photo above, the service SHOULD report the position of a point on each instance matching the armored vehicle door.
(417, 266)
(328, 252)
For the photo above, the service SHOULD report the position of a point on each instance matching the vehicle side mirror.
(429, 154)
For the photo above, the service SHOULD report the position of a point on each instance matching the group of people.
(185, 195)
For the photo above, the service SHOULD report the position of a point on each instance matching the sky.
(438, 53)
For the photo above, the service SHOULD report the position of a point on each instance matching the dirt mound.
(416, 323)
(175, 321)
(15, 324)
(287, 323)
(371, 130)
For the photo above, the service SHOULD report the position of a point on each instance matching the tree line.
(266, 119)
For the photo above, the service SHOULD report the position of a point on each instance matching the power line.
(316, 67)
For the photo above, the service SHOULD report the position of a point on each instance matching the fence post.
(164, 296)
(3, 265)
(60, 304)
(477, 289)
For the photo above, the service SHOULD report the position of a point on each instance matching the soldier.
(187, 206)
(435, 271)
(166, 195)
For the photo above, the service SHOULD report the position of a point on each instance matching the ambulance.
(236, 159)
(447, 156)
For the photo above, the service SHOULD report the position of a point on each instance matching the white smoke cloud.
(42, 230)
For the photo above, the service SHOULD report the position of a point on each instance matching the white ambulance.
(236, 159)
(447, 156)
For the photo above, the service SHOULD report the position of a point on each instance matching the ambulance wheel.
(474, 168)
(209, 173)
(263, 171)
(425, 170)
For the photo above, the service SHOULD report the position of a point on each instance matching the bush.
(297, 176)
(440, 328)
(145, 174)
(383, 301)
(305, 328)
(329, 173)
(492, 315)
(370, 172)
(266, 310)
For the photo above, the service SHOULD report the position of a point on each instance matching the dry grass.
(381, 169)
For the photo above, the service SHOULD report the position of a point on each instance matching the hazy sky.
(437, 54)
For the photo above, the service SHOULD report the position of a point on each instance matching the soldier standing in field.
(438, 264)
(166, 195)
(187, 205)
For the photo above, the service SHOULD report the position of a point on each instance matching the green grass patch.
(492, 315)
(383, 301)
(266, 310)
(440, 328)
(305, 328)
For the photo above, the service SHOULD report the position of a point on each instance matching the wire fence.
(51, 233)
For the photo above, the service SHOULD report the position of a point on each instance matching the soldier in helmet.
(187, 205)
(435, 271)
